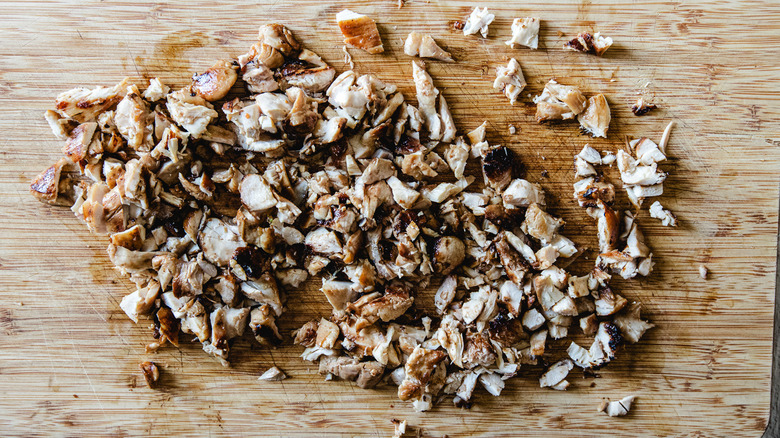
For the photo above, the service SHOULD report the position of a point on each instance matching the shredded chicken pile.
(215, 207)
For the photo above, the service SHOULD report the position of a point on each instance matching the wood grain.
(69, 356)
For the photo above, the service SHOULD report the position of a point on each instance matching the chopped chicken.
(596, 117)
(273, 374)
(193, 113)
(478, 21)
(641, 107)
(559, 102)
(424, 46)
(617, 408)
(592, 44)
(438, 121)
(156, 90)
(359, 31)
(703, 271)
(522, 193)
(151, 373)
(510, 80)
(216, 82)
(667, 218)
(85, 105)
(556, 375)
(525, 32)
(399, 426)
(631, 326)
(364, 374)
(497, 166)
(46, 185)
(419, 370)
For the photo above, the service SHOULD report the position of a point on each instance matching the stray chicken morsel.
(559, 102)
(525, 32)
(591, 44)
(617, 408)
(641, 107)
(667, 218)
(219, 210)
(273, 374)
(360, 31)
(510, 80)
(151, 373)
(425, 46)
(596, 117)
(478, 21)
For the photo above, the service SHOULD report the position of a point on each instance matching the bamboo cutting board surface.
(69, 357)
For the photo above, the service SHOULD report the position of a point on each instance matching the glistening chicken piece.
(478, 21)
(591, 44)
(440, 124)
(596, 117)
(525, 32)
(359, 31)
(559, 102)
(425, 46)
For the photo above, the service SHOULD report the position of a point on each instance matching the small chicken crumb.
(617, 408)
(703, 271)
(478, 21)
(667, 218)
(641, 107)
(273, 374)
(151, 373)
(510, 80)
(425, 46)
(592, 44)
(348, 57)
(400, 428)
(512, 129)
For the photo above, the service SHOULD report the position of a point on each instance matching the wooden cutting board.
(69, 357)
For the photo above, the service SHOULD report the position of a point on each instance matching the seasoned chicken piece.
(478, 21)
(609, 337)
(359, 31)
(559, 102)
(192, 113)
(60, 126)
(515, 265)
(532, 319)
(631, 326)
(608, 227)
(510, 80)
(151, 373)
(78, 143)
(497, 167)
(608, 302)
(589, 324)
(424, 46)
(45, 186)
(393, 303)
(259, 78)
(667, 218)
(141, 301)
(448, 254)
(641, 107)
(617, 408)
(84, 105)
(588, 192)
(540, 224)
(538, 342)
(277, 37)
(478, 351)
(525, 32)
(591, 44)
(556, 374)
(262, 322)
(446, 293)
(403, 195)
(457, 156)
(364, 374)
(323, 241)
(646, 151)
(596, 117)
(216, 82)
(312, 79)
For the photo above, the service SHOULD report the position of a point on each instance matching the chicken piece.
(156, 90)
(451, 339)
(609, 302)
(273, 374)
(591, 44)
(419, 369)
(559, 102)
(446, 293)
(478, 21)
(631, 326)
(133, 120)
(216, 82)
(703, 271)
(448, 254)
(45, 186)
(556, 374)
(439, 123)
(522, 193)
(141, 301)
(192, 113)
(151, 373)
(510, 80)
(393, 303)
(424, 46)
(403, 195)
(219, 241)
(632, 172)
(84, 105)
(364, 374)
(262, 322)
(525, 32)
(609, 337)
(540, 224)
(259, 78)
(617, 408)
(256, 194)
(478, 350)
(596, 117)
(667, 218)
(399, 426)
(306, 335)
(497, 167)
(646, 151)
(312, 79)
(327, 334)
(457, 156)
(589, 324)
(538, 341)
(608, 227)
(515, 265)
(640, 108)
(78, 142)
(588, 192)
(359, 31)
